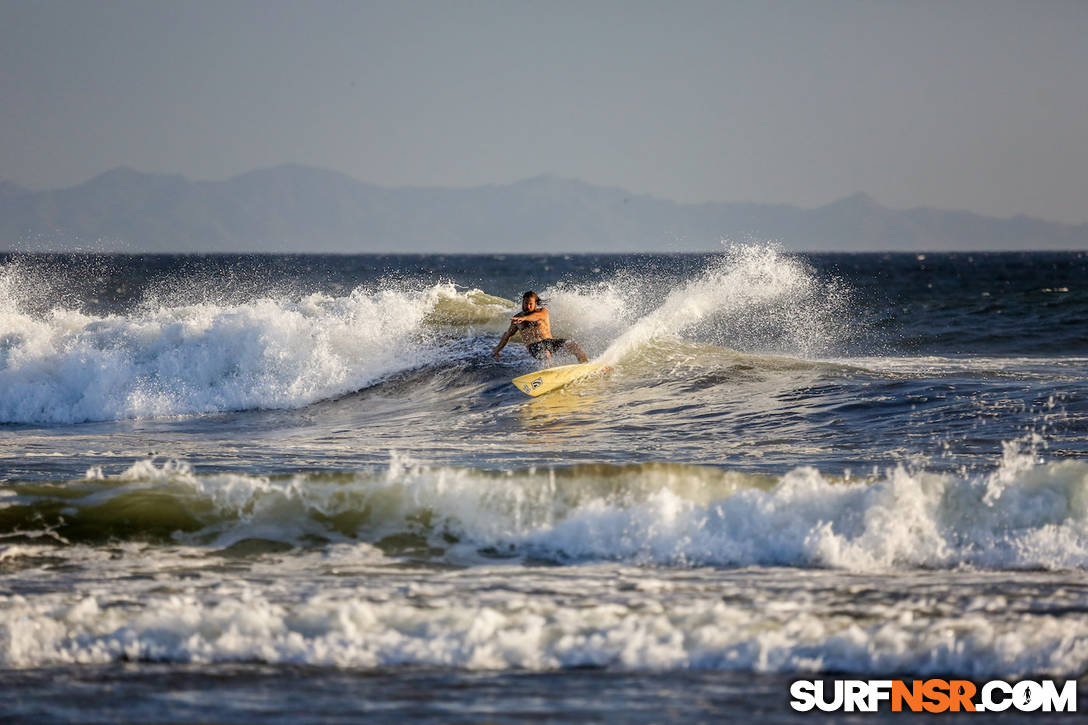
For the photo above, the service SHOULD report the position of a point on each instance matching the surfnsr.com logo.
(933, 695)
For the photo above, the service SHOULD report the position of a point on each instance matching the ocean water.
(300, 488)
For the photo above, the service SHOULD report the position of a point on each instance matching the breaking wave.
(60, 364)
(1026, 513)
(437, 626)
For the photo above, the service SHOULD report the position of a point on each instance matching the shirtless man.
(536, 332)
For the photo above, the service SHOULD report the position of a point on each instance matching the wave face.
(1024, 515)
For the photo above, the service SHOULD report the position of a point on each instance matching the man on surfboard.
(536, 332)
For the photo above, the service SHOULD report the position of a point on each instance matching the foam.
(1024, 513)
(585, 622)
(65, 366)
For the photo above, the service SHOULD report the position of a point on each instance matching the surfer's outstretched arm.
(505, 339)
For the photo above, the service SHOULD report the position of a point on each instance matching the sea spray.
(752, 298)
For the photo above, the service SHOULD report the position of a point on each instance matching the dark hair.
(533, 295)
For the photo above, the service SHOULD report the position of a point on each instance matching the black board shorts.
(540, 347)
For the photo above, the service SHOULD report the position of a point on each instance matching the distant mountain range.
(295, 208)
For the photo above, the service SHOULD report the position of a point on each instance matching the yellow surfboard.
(549, 379)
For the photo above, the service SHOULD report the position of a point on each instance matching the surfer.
(536, 332)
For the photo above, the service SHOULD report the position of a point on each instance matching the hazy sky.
(973, 105)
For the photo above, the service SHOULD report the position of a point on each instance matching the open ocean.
(299, 488)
